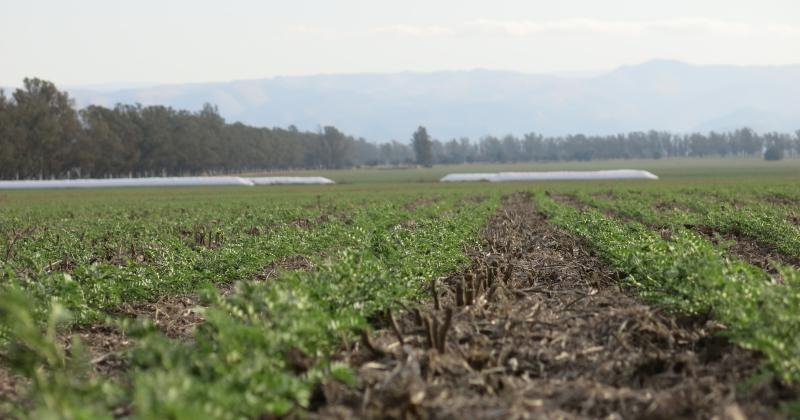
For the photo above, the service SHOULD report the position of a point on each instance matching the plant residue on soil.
(538, 327)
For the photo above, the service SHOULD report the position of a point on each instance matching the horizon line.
(564, 74)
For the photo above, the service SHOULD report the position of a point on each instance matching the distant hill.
(658, 94)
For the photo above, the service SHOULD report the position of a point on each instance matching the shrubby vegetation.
(773, 152)
(42, 135)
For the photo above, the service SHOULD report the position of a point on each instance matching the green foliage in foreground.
(239, 363)
(690, 274)
(63, 384)
(238, 366)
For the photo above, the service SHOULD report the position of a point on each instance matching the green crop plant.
(744, 215)
(688, 273)
(238, 363)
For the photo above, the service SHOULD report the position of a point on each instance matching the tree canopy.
(43, 135)
(422, 146)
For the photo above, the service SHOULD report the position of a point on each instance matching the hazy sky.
(104, 41)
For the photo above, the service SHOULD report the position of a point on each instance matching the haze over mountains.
(659, 94)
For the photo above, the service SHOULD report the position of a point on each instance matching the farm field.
(392, 296)
(717, 170)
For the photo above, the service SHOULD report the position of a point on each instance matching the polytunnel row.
(162, 182)
(550, 176)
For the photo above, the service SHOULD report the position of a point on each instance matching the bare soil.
(781, 200)
(537, 327)
(756, 253)
(176, 316)
(12, 386)
(604, 195)
(568, 199)
(573, 201)
(292, 263)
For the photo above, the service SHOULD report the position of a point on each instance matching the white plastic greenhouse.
(161, 182)
(551, 176)
(275, 180)
(468, 177)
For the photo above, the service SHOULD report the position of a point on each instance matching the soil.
(781, 200)
(12, 386)
(746, 249)
(573, 201)
(671, 206)
(475, 199)
(304, 222)
(537, 327)
(569, 200)
(106, 345)
(421, 202)
(176, 316)
(293, 263)
(409, 224)
(605, 195)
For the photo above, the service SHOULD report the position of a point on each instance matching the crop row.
(765, 222)
(688, 273)
(263, 348)
(234, 245)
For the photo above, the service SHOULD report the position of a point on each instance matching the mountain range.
(658, 94)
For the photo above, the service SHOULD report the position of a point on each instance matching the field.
(675, 170)
(389, 295)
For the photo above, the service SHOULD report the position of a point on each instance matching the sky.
(100, 42)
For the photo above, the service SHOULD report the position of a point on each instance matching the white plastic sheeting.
(468, 177)
(187, 181)
(275, 180)
(552, 176)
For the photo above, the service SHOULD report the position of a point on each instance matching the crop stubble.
(537, 327)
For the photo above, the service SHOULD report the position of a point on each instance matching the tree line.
(43, 135)
(635, 145)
